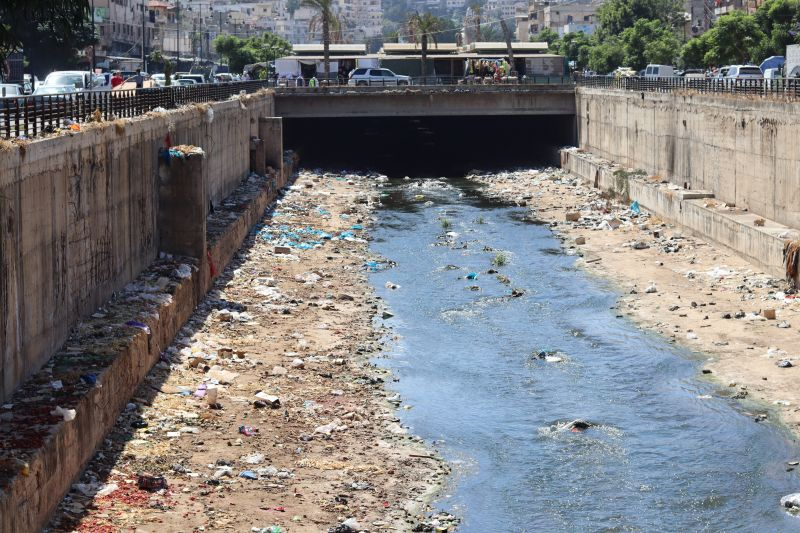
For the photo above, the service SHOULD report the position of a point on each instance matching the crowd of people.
(488, 69)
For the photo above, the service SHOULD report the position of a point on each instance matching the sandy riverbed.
(697, 290)
(297, 326)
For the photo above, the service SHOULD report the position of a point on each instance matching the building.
(721, 7)
(559, 16)
(361, 19)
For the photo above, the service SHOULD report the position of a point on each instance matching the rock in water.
(791, 501)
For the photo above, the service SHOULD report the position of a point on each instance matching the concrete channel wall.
(695, 210)
(79, 216)
(742, 149)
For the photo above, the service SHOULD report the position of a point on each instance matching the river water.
(666, 453)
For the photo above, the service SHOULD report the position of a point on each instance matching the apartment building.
(559, 16)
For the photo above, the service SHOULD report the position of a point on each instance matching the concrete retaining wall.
(760, 245)
(78, 216)
(741, 149)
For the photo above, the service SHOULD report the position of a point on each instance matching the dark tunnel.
(432, 146)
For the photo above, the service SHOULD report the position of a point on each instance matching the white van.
(659, 71)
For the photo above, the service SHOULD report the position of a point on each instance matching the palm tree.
(477, 11)
(509, 48)
(424, 28)
(331, 27)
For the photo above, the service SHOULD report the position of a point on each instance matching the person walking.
(116, 79)
(139, 79)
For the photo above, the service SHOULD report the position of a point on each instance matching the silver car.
(376, 76)
(744, 72)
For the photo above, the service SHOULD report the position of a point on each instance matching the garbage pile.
(265, 414)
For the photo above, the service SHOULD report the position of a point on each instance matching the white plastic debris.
(67, 414)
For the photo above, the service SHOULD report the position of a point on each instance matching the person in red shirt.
(116, 80)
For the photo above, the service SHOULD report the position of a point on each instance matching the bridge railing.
(467, 82)
(776, 88)
(30, 116)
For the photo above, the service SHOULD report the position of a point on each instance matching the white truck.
(291, 68)
(791, 68)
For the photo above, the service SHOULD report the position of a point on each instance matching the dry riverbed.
(266, 414)
(682, 287)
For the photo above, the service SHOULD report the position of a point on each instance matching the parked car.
(8, 92)
(624, 72)
(722, 72)
(376, 76)
(81, 80)
(773, 77)
(744, 72)
(198, 78)
(46, 96)
(694, 73)
(10, 89)
(184, 82)
(659, 71)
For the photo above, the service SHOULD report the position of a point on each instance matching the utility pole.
(178, 38)
(94, 41)
(144, 65)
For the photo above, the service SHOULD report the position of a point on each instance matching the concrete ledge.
(100, 366)
(694, 210)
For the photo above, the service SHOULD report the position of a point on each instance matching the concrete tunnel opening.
(442, 146)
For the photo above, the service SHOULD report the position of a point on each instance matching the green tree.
(424, 28)
(447, 30)
(575, 47)
(618, 15)
(693, 53)
(778, 19)
(257, 49)
(232, 48)
(607, 55)
(736, 38)
(325, 17)
(48, 31)
(66, 19)
(267, 47)
(545, 36)
(649, 41)
(477, 13)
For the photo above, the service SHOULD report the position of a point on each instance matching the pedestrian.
(139, 79)
(246, 76)
(116, 79)
(313, 82)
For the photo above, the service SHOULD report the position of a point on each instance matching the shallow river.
(661, 456)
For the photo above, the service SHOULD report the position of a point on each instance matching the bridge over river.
(440, 101)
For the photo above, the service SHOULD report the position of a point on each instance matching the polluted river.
(499, 344)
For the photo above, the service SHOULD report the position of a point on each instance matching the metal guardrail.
(428, 81)
(29, 116)
(431, 84)
(777, 88)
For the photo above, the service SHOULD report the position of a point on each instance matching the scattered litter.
(151, 483)
(138, 325)
(67, 414)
